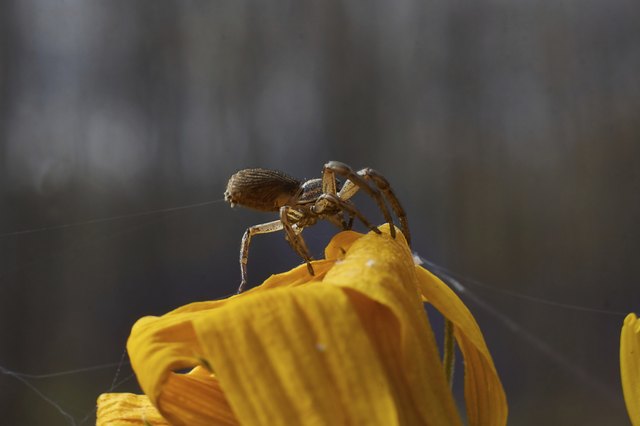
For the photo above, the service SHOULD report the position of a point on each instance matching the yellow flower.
(350, 345)
(630, 366)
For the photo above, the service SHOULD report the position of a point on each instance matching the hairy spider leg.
(294, 236)
(329, 186)
(263, 228)
(335, 167)
(349, 189)
(349, 208)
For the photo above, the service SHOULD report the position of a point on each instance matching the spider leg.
(337, 220)
(336, 167)
(350, 222)
(329, 187)
(294, 238)
(347, 218)
(349, 189)
(383, 184)
(263, 228)
(350, 209)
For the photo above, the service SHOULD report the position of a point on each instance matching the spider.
(303, 204)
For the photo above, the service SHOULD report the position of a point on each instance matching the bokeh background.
(509, 130)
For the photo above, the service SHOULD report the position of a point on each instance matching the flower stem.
(449, 355)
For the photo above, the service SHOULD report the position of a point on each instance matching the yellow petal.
(126, 409)
(158, 347)
(381, 269)
(351, 345)
(630, 366)
(484, 395)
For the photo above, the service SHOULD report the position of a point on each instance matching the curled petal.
(379, 269)
(484, 395)
(630, 366)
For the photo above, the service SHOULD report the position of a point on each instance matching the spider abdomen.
(262, 189)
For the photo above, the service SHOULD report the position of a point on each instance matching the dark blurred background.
(509, 130)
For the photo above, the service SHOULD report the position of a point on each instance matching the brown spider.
(302, 204)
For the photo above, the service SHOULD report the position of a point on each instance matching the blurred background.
(509, 130)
